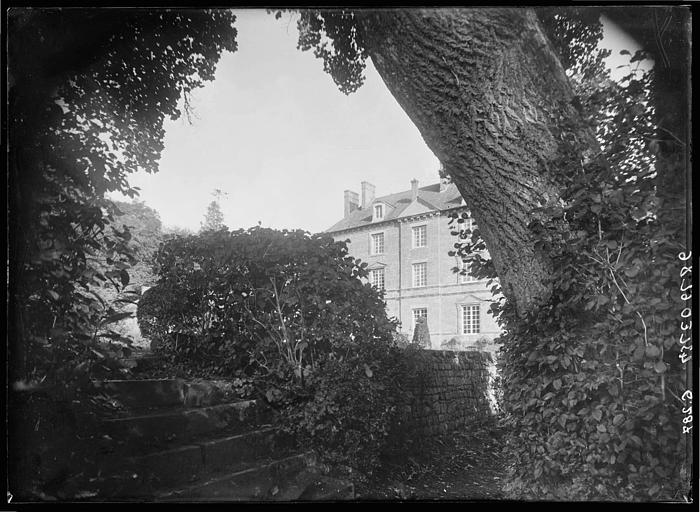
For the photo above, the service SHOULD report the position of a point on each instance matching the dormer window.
(378, 212)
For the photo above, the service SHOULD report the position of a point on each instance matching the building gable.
(416, 208)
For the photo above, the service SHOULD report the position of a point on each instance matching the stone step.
(311, 484)
(140, 394)
(141, 362)
(182, 424)
(194, 462)
(329, 489)
(143, 475)
(192, 440)
(249, 447)
(263, 482)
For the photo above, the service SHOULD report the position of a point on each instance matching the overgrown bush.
(284, 310)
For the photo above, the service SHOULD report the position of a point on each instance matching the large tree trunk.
(488, 94)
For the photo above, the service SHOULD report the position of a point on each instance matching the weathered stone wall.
(449, 389)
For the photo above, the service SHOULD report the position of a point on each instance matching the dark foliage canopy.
(88, 92)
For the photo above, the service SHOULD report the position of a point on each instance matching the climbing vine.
(593, 379)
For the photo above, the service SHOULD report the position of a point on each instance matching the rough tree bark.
(488, 94)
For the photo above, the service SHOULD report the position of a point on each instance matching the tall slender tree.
(214, 217)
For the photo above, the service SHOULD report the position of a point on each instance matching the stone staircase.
(176, 440)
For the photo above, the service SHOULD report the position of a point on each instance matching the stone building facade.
(405, 239)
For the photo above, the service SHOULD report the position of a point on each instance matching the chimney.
(444, 183)
(351, 202)
(414, 189)
(367, 194)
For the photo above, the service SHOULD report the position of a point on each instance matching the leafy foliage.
(90, 90)
(334, 38)
(144, 225)
(175, 231)
(575, 33)
(149, 308)
(286, 312)
(592, 380)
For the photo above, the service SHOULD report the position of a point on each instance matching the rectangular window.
(470, 224)
(378, 212)
(420, 274)
(470, 319)
(465, 278)
(420, 236)
(377, 243)
(376, 277)
(418, 313)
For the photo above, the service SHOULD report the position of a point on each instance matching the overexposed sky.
(616, 39)
(274, 132)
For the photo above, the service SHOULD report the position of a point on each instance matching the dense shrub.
(285, 311)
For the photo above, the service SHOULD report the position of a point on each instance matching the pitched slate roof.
(430, 196)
